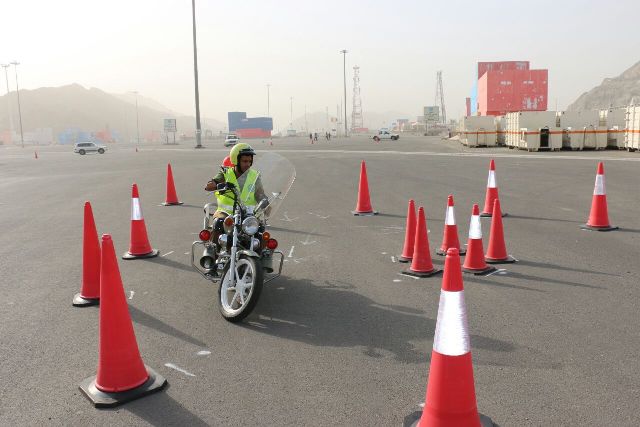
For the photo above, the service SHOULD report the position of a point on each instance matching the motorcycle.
(237, 251)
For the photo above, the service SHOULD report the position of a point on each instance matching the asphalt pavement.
(341, 338)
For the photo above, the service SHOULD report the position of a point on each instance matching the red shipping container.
(253, 133)
(483, 67)
(468, 103)
(501, 92)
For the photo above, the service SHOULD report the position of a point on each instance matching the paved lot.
(341, 338)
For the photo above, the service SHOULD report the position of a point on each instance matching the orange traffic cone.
(410, 234)
(450, 238)
(599, 215)
(90, 291)
(122, 375)
(139, 246)
(497, 250)
(421, 264)
(172, 197)
(451, 394)
(474, 261)
(363, 206)
(492, 191)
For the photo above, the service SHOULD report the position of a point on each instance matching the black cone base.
(372, 213)
(490, 214)
(80, 301)
(440, 252)
(592, 228)
(421, 274)
(404, 259)
(129, 255)
(412, 420)
(101, 399)
(508, 260)
(482, 272)
(171, 204)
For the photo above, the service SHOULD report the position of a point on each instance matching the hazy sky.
(145, 45)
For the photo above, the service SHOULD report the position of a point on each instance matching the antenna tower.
(440, 98)
(356, 115)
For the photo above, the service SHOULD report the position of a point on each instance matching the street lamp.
(6, 77)
(15, 68)
(137, 118)
(344, 71)
(291, 124)
(195, 74)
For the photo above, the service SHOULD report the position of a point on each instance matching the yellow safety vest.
(247, 193)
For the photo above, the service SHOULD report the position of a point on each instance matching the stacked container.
(632, 128)
(615, 121)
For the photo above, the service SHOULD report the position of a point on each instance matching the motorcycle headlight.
(250, 225)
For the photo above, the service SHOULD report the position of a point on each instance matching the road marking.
(397, 280)
(168, 253)
(172, 366)
(318, 215)
(291, 252)
(287, 219)
(187, 253)
(203, 353)
(408, 275)
(307, 242)
(501, 271)
(383, 253)
(393, 259)
(131, 294)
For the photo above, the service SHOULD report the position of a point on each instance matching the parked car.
(385, 134)
(88, 147)
(231, 139)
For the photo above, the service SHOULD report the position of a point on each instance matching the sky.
(294, 46)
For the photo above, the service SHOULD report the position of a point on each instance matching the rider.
(246, 180)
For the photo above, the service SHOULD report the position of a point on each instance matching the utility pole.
(15, 68)
(6, 77)
(268, 100)
(291, 123)
(344, 73)
(135, 92)
(195, 73)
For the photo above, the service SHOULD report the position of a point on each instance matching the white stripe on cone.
(598, 190)
(491, 181)
(452, 330)
(136, 210)
(450, 216)
(475, 229)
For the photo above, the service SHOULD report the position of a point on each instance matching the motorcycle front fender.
(248, 253)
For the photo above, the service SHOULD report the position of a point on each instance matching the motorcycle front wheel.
(238, 299)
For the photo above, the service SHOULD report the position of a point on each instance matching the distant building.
(253, 127)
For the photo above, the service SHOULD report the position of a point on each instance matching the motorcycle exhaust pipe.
(207, 260)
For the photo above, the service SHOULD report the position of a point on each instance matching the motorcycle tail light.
(266, 236)
(272, 244)
(204, 235)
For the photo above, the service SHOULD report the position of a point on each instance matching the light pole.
(291, 124)
(195, 74)
(135, 92)
(344, 72)
(15, 68)
(6, 77)
(268, 101)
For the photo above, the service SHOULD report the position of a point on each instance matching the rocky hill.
(618, 91)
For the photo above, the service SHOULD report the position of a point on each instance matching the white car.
(231, 139)
(88, 147)
(385, 134)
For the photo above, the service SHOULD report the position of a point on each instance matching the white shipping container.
(478, 131)
(632, 128)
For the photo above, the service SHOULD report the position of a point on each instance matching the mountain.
(92, 110)
(617, 92)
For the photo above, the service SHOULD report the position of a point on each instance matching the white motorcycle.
(238, 251)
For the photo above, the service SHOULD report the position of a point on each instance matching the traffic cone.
(122, 375)
(599, 215)
(410, 234)
(421, 264)
(474, 261)
(451, 394)
(90, 290)
(450, 238)
(139, 246)
(497, 250)
(172, 197)
(363, 206)
(492, 191)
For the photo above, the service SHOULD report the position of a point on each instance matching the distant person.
(311, 138)
(315, 136)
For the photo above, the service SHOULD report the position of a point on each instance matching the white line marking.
(131, 295)
(307, 241)
(291, 252)
(393, 259)
(397, 280)
(187, 253)
(203, 353)
(168, 253)
(172, 366)
(498, 271)
(408, 275)
(383, 253)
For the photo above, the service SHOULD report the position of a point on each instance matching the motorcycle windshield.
(276, 175)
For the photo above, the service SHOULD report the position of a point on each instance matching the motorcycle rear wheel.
(237, 301)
